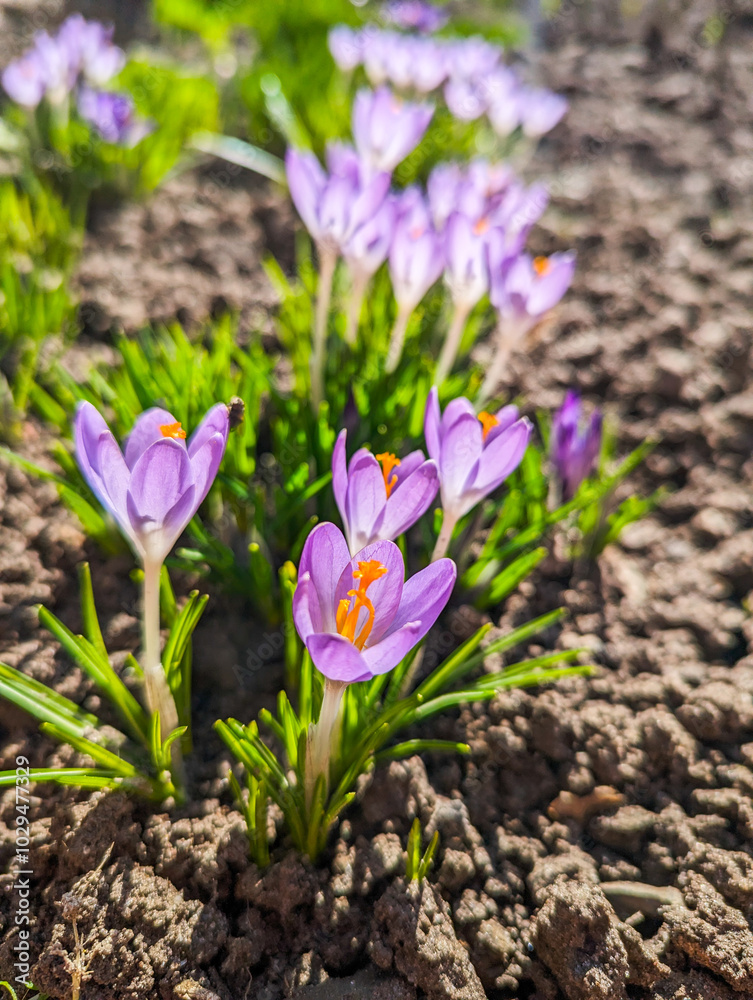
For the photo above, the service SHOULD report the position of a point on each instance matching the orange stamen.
(541, 266)
(481, 227)
(173, 430)
(389, 462)
(488, 421)
(346, 617)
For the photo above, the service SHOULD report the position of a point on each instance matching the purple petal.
(411, 500)
(432, 421)
(306, 180)
(408, 465)
(307, 612)
(145, 432)
(340, 474)
(392, 649)
(101, 462)
(455, 410)
(337, 658)
(365, 499)
(159, 479)
(549, 288)
(424, 597)
(505, 418)
(501, 457)
(324, 557)
(216, 421)
(384, 593)
(204, 465)
(461, 449)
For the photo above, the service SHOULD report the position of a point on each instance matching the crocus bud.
(540, 111)
(466, 269)
(156, 487)
(113, 116)
(346, 47)
(385, 128)
(574, 448)
(25, 79)
(416, 256)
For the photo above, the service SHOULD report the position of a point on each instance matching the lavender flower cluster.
(471, 224)
(77, 61)
(474, 79)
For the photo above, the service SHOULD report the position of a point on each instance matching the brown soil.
(597, 843)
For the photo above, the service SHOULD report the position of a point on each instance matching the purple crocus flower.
(25, 79)
(466, 268)
(416, 256)
(475, 454)
(333, 206)
(367, 248)
(386, 128)
(346, 46)
(358, 616)
(428, 63)
(465, 98)
(523, 288)
(113, 116)
(379, 497)
(155, 489)
(574, 449)
(503, 92)
(415, 15)
(384, 57)
(540, 110)
(90, 49)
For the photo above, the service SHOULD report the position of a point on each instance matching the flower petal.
(325, 555)
(216, 421)
(461, 449)
(384, 593)
(424, 596)
(501, 457)
(101, 462)
(145, 432)
(337, 658)
(411, 500)
(307, 613)
(340, 474)
(432, 422)
(365, 499)
(204, 465)
(392, 649)
(160, 478)
(505, 418)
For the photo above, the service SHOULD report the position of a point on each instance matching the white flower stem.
(158, 695)
(508, 334)
(355, 304)
(327, 262)
(445, 535)
(397, 340)
(322, 738)
(451, 342)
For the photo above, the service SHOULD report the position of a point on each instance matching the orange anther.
(346, 617)
(388, 462)
(488, 421)
(541, 266)
(173, 430)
